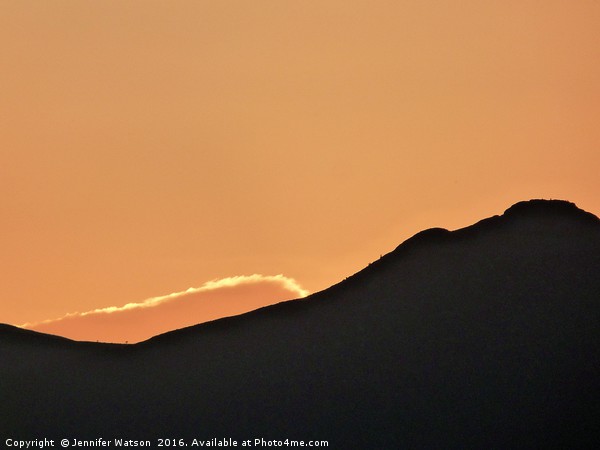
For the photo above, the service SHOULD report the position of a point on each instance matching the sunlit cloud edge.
(288, 283)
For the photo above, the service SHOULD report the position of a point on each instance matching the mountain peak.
(536, 211)
(544, 207)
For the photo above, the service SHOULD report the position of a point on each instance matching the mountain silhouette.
(484, 337)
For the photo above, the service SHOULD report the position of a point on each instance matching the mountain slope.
(482, 337)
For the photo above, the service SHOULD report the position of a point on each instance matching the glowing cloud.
(134, 322)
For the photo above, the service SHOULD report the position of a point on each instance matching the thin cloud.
(134, 322)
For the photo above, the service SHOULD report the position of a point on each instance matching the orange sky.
(150, 146)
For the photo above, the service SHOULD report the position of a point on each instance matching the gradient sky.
(151, 146)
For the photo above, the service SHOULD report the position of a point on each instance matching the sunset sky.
(148, 147)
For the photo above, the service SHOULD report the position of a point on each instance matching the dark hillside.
(484, 337)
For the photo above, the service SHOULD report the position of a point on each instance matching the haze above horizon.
(148, 147)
